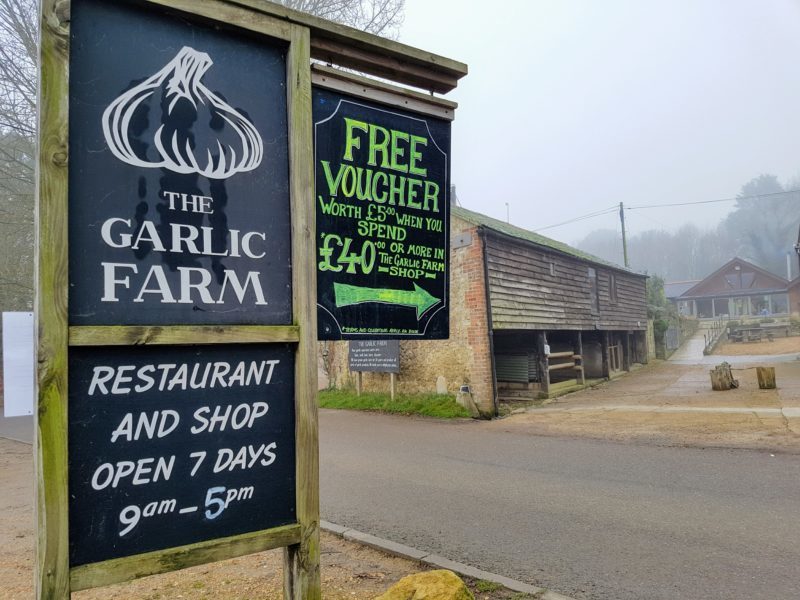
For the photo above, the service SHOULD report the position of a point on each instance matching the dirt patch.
(705, 430)
(671, 404)
(787, 345)
(349, 571)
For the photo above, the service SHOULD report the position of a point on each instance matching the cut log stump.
(766, 378)
(722, 378)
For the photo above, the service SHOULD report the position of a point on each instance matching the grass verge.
(429, 405)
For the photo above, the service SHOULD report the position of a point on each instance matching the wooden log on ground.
(766, 378)
(722, 378)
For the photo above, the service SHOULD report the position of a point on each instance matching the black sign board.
(381, 356)
(178, 188)
(382, 190)
(170, 446)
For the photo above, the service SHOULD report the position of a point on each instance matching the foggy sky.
(572, 106)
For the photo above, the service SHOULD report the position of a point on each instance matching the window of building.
(612, 288)
(552, 268)
(595, 297)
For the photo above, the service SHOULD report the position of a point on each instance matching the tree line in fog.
(762, 228)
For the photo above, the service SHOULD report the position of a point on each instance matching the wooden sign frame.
(54, 577)
(307, 37)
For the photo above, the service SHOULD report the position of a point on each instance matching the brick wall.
(463, 359)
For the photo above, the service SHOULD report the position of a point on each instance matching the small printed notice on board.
(18, 371)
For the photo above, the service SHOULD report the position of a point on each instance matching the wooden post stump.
(766, 378)
(722, 378)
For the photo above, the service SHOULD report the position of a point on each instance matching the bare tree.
(18, 51)
(381, 17)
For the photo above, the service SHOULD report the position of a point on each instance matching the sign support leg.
(391, 385)
(301, 561)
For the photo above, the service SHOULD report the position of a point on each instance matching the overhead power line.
(712, 201)
(598, 213)
(615, 208)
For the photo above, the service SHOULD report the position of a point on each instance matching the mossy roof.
(534, 238)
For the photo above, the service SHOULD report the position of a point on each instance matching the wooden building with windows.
(529, 317)
(737, 289)
(557, 315)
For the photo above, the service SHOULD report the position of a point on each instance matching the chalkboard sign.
(178, 187)
(380, 356)
(172, 445)
(382, 190)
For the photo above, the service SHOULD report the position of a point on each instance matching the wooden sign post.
(176, 421)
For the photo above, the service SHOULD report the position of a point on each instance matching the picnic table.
(751, 334)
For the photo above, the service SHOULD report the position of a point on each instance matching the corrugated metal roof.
(529, 236)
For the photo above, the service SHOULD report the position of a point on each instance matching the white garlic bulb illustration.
(176, 149)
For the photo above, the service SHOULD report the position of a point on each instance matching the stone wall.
(463, 359)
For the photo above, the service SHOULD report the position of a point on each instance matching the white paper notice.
(18, 371)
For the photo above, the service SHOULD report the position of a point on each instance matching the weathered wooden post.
(766, 378)
(543, 362)
(722, 378)
(581, 362)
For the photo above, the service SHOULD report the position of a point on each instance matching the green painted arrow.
(353, 294)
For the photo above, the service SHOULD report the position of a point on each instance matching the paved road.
(588, 519)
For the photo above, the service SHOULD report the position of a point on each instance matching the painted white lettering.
(181, 378)
(124, 238)
(246, 244)
(186, 239)
(110, 281)
(141, 473)
(121, 378)
(271, 364)
(143, 376)
(201, 286)
(194, 383)
(221, 369)
(238, 375)
(165, 369)
(162, 286)
(253, 278)
(149, 233)
(101, 376)
(125, 428)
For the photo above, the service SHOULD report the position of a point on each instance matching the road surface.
(587, 519)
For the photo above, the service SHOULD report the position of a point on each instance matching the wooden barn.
(557, 315)
(529, 318)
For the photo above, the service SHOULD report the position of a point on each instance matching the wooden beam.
(136, 335)
(579, 357)
(227, 13)
(301, 574)
(384, 93)
(51, 570)
(567, 365)
(544, 371)
(348, 47)
(397, 69)
(181, 557)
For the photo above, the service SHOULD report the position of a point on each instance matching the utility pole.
(624, 238)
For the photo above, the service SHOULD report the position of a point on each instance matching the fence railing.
(714, 331)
